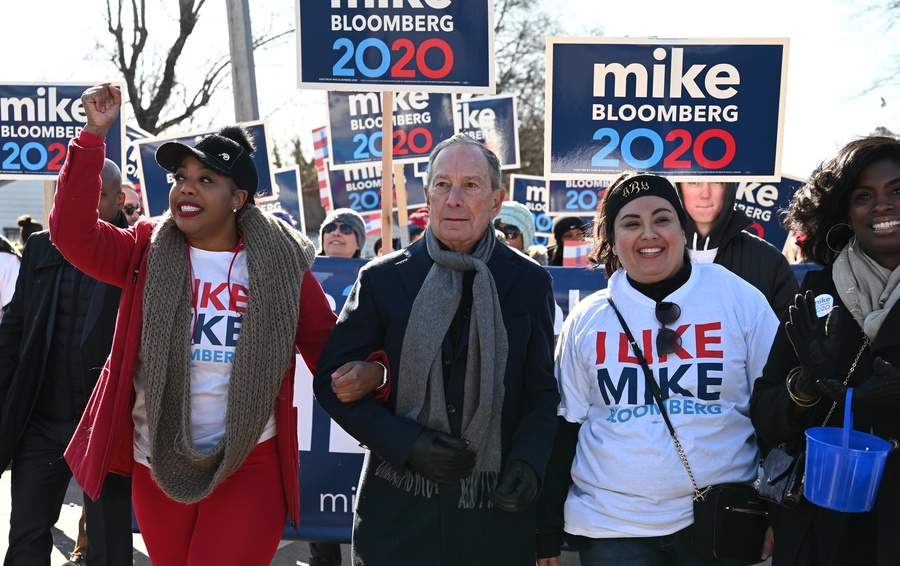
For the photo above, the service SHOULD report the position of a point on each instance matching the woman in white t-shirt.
(617, 490)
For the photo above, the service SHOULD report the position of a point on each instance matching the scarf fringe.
(475, 488)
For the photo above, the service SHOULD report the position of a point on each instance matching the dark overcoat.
(808, 534)
(393, 526)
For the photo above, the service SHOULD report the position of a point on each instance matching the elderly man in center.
(457, 453)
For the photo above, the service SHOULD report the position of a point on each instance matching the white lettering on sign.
(765, 195)
(536, 193)
(717, 82)
(435, 4)
(45, 108)
(370, 103)
(469, 117)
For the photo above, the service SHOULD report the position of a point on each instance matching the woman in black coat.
(850, 212)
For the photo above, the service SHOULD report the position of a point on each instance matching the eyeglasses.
(511, 231)
(668, 341)
(332, 226)
(131, 209)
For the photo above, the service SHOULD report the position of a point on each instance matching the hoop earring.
(828, 235)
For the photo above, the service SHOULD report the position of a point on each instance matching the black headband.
(640, 186)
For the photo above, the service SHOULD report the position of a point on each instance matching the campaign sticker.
(824, 304)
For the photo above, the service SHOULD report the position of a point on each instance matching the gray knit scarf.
(277, 258)
(433, 311)
(869, 290)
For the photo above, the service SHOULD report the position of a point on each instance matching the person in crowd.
(54, 338)
(133, 209)
(849, 210)
(27, 227)
(415, 232)
(517, 224)
(456, 453)
(715, 232)
(616, 488)
(196, 397)
(792, 247)
(565, 229)
(342, 234)
(377, 246)
(10, 258)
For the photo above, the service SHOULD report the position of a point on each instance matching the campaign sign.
(36, 123)
(289, 198)
(681, 108)
(762, 201)
(420, 121)
(131, 173)
(576, 197)
(493, 121)
(359, 188)
(531, 192)
(398, 45)
(158, 181)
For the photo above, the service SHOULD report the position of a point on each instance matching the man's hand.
(101, 107)
(881, 389)
(816, 345)
(517, 488)
(354, 380)
(554, 561)
(441, 457)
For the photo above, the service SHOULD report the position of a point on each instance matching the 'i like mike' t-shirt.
(219, 300)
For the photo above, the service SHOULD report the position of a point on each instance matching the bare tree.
(159, 98)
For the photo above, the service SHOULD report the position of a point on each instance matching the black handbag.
(782, 479)
(730, 520)
(783, 467)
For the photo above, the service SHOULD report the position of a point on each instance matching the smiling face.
(338, 244)
(703, 202)
(461, 202)
(202, 203)
(874, 211)
(648, 239)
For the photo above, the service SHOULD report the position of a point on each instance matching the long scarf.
(869, 290)
(423, 400)
(277, 258)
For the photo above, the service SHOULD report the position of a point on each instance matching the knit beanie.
(512, 212)
(347, 216)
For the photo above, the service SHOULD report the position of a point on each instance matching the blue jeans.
(669, 550)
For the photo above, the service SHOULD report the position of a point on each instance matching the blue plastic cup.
(839, 478)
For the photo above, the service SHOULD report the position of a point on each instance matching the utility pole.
(243, 71)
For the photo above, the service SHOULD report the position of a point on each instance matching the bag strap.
(657, 395)
(847, 379)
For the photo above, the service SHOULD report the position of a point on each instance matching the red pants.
(240, 523)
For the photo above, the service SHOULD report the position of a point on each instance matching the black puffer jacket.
(754, 260)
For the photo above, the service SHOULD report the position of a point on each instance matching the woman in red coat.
(198, 388)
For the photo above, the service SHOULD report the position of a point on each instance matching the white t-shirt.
(628, 478)
(220, 294)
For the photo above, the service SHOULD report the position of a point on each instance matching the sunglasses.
(332, 226)
(511, 231)
(668, 341)
(130, 209)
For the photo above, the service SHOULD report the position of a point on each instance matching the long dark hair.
(820, 208)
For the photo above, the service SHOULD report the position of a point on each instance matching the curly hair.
(820, 208)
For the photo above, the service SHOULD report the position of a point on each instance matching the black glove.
(441, 457)
(882, 388)
(517, 488)
(816, 345)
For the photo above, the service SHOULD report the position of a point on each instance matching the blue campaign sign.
(762, 201)
(493, 121)
(401, 45)
(131, 172)
(359, 188)
(289, 197)
(576, 196)
(158, 181)
(421, 121)
(531, 191)
(682, 108)
(36, 123)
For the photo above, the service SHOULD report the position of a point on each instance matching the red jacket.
(103, 440)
